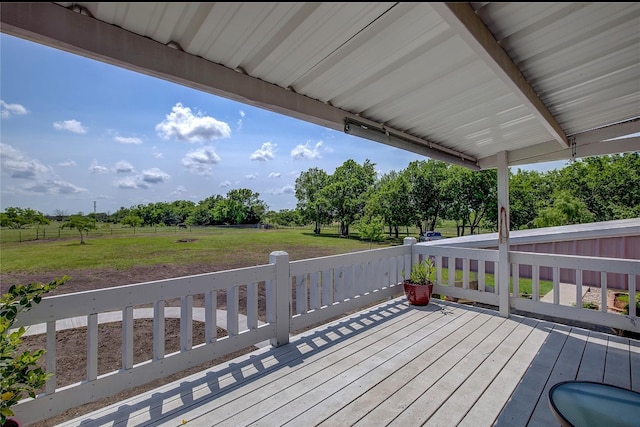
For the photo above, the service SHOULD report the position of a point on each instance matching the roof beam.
(463, 20)
(59, 27)
(615, 139)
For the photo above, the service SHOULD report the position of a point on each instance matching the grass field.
(203, 245)
(197, 245)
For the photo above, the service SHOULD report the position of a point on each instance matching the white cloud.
(8, 110)
(180, 189)
(124, 167)
(157, 154)
(154, 176)
(199, 161)
(183, 125)
(242, 114)
(142, 180)
(127, 140)
(264, 153)
(70, 125)
(224, 184)
(41, 178)
(54, 186)
(287, 189)
(306, 152)
(94, 167)
(67, 163)
(128, 182)
(251, 176)
(274, 175)
(17, 165)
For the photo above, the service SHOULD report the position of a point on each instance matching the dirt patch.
(71, 343)
(71, 363)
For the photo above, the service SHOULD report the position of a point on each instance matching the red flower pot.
(418, 294)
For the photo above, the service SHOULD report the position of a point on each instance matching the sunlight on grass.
(525, 285)
(241, 246)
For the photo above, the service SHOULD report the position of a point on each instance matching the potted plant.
(419, 286)
(20, 376)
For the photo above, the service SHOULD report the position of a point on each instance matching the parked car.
(430, 235)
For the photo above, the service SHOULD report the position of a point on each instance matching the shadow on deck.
(443, 364)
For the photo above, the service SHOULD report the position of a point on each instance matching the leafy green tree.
(371, 228)
(528, 192)
(132, 220)
(285, 217)
(81, 223)
(249, 209)
(566, 209)
(390, 199)
(426, 180)
(313, 207)
(348, 190)
(203, 213)
(482, 198)
(453, 191)
(14, 217)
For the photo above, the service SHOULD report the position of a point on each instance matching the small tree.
(132, 220)
(20, 218)
(371, 229)
(20, 377)
(81, 223)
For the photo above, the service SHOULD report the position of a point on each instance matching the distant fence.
(12, 235)
(8, 235)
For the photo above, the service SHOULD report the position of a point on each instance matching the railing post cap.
(278, 253)
(409, 241)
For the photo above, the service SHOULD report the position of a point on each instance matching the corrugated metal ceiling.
(468, 79)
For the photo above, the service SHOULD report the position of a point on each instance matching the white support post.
(503, 233)
(406, 272)
(282, 290)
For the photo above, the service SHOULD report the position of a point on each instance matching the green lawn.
(121, 251)
(524, 285)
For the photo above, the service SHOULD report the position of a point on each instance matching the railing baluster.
(579, 291)
(349, 283)
(465, 273)
(632, 294)
(186, 323)
(556, 285)
(92, 346)
(604, 295)
(338, 283)
(252, 305)
(50, 357)
(314, 284)
(535, 283)
(301, 294)
(232, 311)
(516, 279)
(451, 264)
(327, 287)
(270, 301)
(210, 316)
(127, 337)
(439, 269)
(158, 330)
(481, 276)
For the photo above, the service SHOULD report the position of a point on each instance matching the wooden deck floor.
(445, 364)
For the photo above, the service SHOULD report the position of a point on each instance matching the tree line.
(587, 190)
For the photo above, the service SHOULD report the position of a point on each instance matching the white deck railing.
(298, 294)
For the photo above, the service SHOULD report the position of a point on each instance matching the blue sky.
(76, 131)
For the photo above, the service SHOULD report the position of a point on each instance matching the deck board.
(445, 364)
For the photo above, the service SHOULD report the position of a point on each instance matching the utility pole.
(94, 206)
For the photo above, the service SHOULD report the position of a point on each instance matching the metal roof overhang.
(460, 82)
